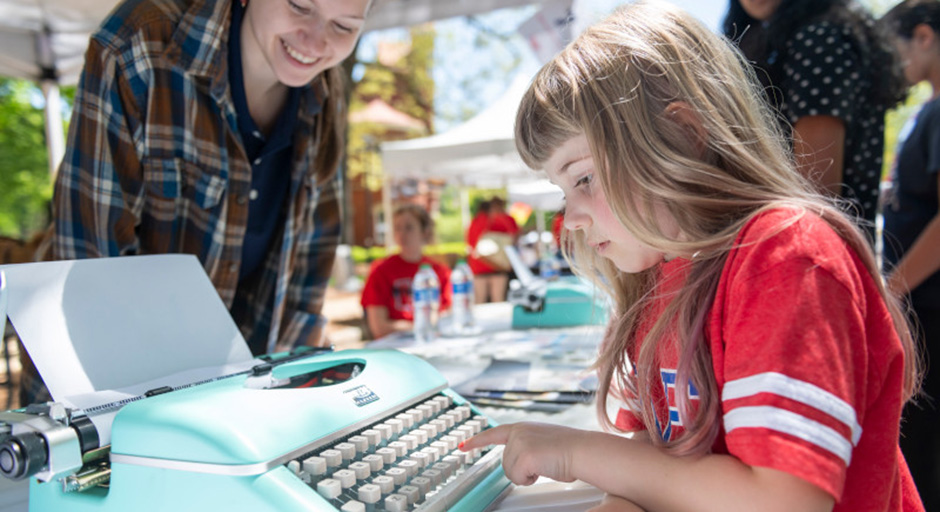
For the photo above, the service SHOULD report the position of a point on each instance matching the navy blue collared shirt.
(270, 157)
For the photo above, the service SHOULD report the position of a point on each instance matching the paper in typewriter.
(101, 330)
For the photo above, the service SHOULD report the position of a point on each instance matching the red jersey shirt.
(389, 285)
(808, 364)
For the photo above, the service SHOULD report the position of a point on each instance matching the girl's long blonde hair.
(614, 84)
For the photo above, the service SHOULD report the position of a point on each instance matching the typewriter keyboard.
(406, 461)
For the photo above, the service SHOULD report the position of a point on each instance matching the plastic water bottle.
(461, 280)
(426, 299)
(549, 266)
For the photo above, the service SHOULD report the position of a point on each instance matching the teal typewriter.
(314, 430)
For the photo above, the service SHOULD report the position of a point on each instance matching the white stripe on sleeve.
(796, 390)
(788, 422)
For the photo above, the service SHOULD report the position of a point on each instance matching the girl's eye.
(343, 28)
(584, 180)
(298, 8)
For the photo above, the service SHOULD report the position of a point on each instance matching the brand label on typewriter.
(362, 395)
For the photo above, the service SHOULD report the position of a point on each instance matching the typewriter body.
(316, 430)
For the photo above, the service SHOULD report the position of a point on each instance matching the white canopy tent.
(45, 40)
(480, 152)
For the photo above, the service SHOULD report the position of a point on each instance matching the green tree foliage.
(405, 85)
(25, 184)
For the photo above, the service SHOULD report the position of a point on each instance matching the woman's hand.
(532, 450)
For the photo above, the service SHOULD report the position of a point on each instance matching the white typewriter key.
(347, 449)
(360, 442)
(446, 468)
(305, 477)
(373, 436)
(345, 477)
(426, 410)
(332, 457)
(468, 429)
(370, 493)
(388, 454)
(459, 435)
(464, 411)
(411, 492)
(450, 441)
(400, 448)
(410, 466)
(398, 475)
(430, 429)
(433, 455)
(329, 488)
(440, 424)
(482, 419)
(477, 425)
(416, 414)
(354, 506)
(420, 435)
(406, 420)
(422, 483)
(451, 460)
(374, 461)
(385, 483)
(361, 469)
(396, 503)
(396, 424)
(448, 419)
(435, 476)
(410, 441)
(441, 448)
(294, 467)
(421, 458)
(315, 465)
(435, 405)
(385, 430)
(444, 400)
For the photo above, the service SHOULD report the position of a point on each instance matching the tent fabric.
(480, 152)
(46, 39)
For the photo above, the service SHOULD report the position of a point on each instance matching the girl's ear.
(924, 36)
(689, 122)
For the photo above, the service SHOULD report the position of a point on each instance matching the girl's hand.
(612, 503)
(532, 450)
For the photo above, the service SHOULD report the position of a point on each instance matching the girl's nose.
(575, 218)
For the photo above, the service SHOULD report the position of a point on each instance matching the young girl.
(762, 364)
(912, 230)
(386, 297)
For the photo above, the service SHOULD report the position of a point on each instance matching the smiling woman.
(214, 128)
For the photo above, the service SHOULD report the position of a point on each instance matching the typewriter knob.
(22, 455)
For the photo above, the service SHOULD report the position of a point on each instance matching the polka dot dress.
(824, 76)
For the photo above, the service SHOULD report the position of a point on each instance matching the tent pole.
(464, 205)
(387, 209)
(55, 136)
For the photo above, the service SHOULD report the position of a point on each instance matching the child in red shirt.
(386, 297)
(761, 362)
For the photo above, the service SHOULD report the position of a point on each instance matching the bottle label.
(465, 287)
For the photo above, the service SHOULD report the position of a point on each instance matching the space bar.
(454, 491)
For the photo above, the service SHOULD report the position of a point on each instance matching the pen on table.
(538, 396)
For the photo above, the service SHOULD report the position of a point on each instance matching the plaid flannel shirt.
(155, 164)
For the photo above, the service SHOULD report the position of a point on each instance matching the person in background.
(386, 296)
(761, 363)
(911, 235)
(832, 76)
(491, 271)
(215, 128)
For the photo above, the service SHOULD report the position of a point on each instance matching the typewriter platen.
(369, 430)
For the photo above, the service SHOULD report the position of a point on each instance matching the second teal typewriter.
(365, 430)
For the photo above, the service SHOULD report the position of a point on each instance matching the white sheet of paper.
(113, 324)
